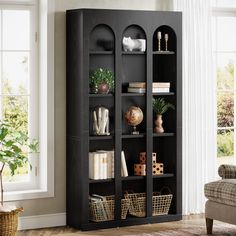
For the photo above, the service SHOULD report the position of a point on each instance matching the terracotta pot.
(158, 122)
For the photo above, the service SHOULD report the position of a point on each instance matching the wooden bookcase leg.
(209, 225)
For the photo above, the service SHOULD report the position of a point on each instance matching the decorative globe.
(134, 116)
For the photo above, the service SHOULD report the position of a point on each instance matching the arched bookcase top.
(167, 41)
(102, 38)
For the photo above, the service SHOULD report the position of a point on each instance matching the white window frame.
(45, 185)
(226, 12)
(33, 104)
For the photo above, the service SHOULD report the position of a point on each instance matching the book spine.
(123, 165)
(137, 85)
(104, 165)
(91, 168)
(160, 84)
(161, 90)
(112, 164)
(136, 90)
(96, 165)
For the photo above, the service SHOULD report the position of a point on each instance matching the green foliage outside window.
(225, 144)
(225, 110)
(15, 109)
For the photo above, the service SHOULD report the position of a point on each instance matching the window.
(224, 48)
(19, 83)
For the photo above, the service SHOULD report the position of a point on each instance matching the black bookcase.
(84, 28)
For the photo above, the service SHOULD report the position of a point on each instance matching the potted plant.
(14, 150)
(160, 106)
(101, 81)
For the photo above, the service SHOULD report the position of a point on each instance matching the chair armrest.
(227, 171)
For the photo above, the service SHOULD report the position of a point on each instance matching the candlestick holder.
(159, 40)
(166, 40)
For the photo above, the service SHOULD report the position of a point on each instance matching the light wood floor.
(191, 225)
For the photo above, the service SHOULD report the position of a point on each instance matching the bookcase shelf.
(163, 53)
(100, 180)
(133, 94)
(101, 137)
(100, 95)
(104, 31)
(101, 52)
(133, 53)
(131, 136)
(166, 175)
(164, 94)
(128, 178)
(163, 135)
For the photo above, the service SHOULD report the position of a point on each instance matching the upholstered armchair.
(221, 195)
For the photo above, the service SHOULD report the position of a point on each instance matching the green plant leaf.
(160, 106)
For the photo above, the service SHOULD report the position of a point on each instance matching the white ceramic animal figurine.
(130, 44)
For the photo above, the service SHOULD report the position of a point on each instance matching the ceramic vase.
(158, 122)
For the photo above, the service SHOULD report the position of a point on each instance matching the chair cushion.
(222, 191)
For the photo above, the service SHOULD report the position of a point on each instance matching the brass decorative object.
(159, 40)
(166, 40)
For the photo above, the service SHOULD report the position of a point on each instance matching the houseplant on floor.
(160, 106)
(14, 150)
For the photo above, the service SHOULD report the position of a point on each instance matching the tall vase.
(158, 122)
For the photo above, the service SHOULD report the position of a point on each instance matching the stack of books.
(101, 165)
(157, 87)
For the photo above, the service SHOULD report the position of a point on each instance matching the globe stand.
(135, 131)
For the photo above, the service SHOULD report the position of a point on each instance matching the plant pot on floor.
(9, 222)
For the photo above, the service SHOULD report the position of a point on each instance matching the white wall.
(58, 203)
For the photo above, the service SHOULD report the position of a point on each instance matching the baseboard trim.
(42, 221)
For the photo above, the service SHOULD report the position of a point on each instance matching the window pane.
(226, 34)
(15, 72)
(21, 174)
(16, 108)
(225, 147)
(225, 70)
(16, 29)
(225, 143)
(225, 109)
(226, 3)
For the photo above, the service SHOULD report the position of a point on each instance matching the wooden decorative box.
(142, 157)
(140, 169)
(157, 169)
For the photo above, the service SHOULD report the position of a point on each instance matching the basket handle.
(165, 188)
(128, 191)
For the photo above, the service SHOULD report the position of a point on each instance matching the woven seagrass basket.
(160, 203)
(9, 222)
(104, 210)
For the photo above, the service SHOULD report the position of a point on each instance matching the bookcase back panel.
(132, 148)
(164, 70)
(134, 68)
(104, 189)
(95, 145)
(165, 149)
(102, 38)
(101, 61)
(134, 186)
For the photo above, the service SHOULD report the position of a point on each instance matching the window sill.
(27, 195)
